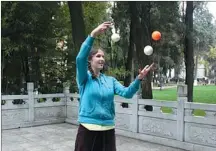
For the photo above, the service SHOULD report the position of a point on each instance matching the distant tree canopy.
(40, 41)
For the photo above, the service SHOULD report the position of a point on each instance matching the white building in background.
(200, 72)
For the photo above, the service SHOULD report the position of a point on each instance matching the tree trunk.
(22, 73)
(128, 65)
(78, 26)
(35, 67)
(26, 71)
(78, 32)
(110, 47)
(170, 72)
(38, 78)
(188, 51)
(140, 38)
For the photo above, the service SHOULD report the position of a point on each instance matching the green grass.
(202, 94)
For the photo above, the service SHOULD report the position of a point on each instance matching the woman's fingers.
(105, 26)
(152, 65)
(102, 27)
(143, 70)
(139, 70)
(107, 22)
(147, 68)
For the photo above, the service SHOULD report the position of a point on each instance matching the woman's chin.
(100, 68)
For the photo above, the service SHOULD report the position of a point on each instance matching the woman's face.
(97, 61)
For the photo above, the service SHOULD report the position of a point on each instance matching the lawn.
(202, 94)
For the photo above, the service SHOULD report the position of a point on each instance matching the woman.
(96, 110)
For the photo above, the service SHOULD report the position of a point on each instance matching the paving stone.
(61, 137)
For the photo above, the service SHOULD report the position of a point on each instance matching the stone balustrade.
(179, 128)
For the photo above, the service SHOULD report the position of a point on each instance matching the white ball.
(148, 50)
(115, 37)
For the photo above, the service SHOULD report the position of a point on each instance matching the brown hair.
(91, 54)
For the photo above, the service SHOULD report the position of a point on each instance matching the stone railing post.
(30, 88)
(66, 92)
(181, 99)
(134, 120)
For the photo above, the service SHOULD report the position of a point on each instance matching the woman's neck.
(96, 72)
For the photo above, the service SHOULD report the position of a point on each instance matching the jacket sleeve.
(126, 92)
(82, 61)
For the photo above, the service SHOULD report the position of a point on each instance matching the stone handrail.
(179, 128)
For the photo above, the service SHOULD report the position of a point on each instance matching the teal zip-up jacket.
(96, 104)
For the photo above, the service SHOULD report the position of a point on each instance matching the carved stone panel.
(72, 112)
(49, 112)
(122, 121)
(158, 127)
(14, 116)
(201, 134)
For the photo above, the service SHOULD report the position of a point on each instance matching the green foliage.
(94, 14)
(31, 31)
(122, 26)
(40, 100)
(211, 60)
(56, 99)
(204, 36)
(27, 35)
(212, 53)
(164, 17)
(118, 73)
(3, 102)
(204, 29)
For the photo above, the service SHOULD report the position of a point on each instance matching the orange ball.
(156, 35)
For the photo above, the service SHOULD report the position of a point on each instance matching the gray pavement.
(61, 137)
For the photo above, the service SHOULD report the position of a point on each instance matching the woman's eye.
(99, 56)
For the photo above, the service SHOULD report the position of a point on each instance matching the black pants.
(87, 140)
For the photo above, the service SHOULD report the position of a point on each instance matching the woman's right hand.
(100, 29)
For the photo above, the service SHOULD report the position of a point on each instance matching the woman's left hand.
(144, 71)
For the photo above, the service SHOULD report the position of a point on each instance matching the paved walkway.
(164, 87)
(61, 137)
